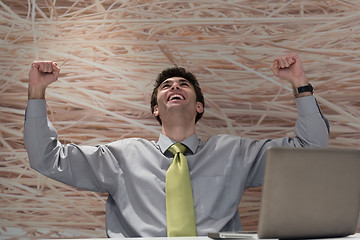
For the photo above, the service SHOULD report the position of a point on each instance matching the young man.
(134, 171)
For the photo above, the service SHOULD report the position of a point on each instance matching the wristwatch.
(308, 88)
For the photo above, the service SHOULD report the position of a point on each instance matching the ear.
(199, 107)
(156, 111)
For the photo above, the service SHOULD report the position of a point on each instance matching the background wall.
(111, 51)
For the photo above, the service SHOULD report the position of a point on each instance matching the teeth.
(176, 96)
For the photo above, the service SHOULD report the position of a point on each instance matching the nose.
(175, 85)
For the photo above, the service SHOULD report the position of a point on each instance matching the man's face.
(177, 94)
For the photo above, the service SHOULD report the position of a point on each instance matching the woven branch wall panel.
(110, 52)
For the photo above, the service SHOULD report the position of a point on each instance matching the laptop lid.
(310, 193)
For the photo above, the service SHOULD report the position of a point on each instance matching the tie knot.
(176, 148)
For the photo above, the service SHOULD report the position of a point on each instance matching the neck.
(178, 131)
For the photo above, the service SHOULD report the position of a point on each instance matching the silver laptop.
(310, 193)
(307, 193)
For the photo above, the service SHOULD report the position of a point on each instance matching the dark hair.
(177, 72)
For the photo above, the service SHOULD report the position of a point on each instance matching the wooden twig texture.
(111, 51)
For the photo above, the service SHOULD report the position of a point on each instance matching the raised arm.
(311, 129)
(78, 166)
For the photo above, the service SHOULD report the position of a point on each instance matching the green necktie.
(180, 214)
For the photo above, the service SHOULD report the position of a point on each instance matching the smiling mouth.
(176, 97)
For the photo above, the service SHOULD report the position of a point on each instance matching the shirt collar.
(191, 143)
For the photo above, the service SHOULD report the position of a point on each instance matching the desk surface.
(254, 237)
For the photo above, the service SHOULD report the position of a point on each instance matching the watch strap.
(307, 88)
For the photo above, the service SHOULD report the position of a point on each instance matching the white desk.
(254, 237)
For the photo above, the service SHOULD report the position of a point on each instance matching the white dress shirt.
(132, 171)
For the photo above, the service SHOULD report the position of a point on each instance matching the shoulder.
(223, 140)
(232, 142)
(224, 137)
(132, 142)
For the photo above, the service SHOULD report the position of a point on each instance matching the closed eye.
(165, 86)
(168, 83)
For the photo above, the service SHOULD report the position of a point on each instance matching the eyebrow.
(172, 80)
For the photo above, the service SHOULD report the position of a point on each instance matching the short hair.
(177, 72)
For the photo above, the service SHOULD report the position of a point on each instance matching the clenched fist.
(42, 73)
(289, 67)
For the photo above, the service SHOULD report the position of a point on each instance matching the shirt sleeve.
(79, 166)
(311, 130)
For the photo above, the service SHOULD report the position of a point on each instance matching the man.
(134, 171)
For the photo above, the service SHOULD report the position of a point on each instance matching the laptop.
(309, 193)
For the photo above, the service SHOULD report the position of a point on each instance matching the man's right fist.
(42, 73)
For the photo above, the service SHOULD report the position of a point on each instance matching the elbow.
(35, 161)
(321, 144)
(321, 141)
(314, 137)
(323, 138)
(42, 159)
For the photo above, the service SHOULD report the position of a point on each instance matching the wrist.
(305, 90)
(36, 93)
(299, 81)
